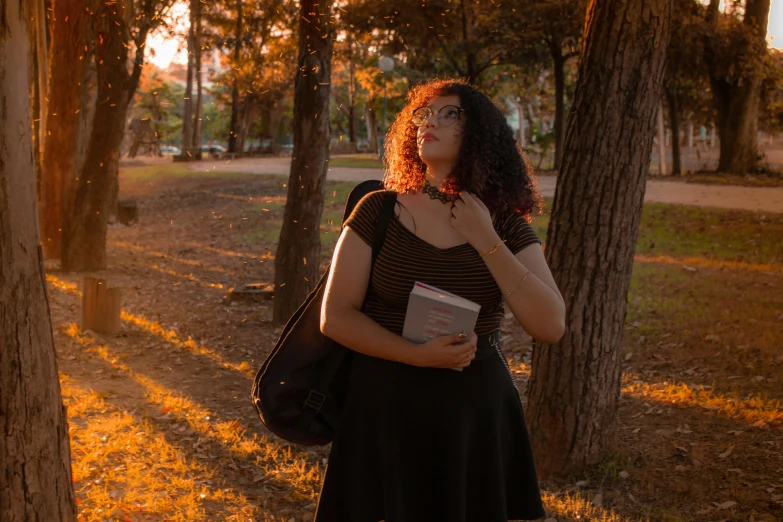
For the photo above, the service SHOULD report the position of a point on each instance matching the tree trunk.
(674, 119)
(233, 133)
(737, 101)
(84, 240)
(353, 134)
(372, 130)
(68, 94)
(298, 257)
(35, 484)
(197, 108)
(521, 138)
(37, 66)
(558, 62)
(575, 384)
(187, 110)
(662, 171)
(245, 119)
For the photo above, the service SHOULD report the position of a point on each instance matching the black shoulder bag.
(300, 389)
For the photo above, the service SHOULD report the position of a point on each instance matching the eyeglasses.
(447, 115)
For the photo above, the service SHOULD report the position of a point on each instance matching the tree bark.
(68, 94)
(674, 120)
(575, 384)
(737, 100)
(84, 240)
(298, 257)
(35, 484)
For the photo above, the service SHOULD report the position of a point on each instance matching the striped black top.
(406, 258)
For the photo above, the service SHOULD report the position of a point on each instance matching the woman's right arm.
(343, 320)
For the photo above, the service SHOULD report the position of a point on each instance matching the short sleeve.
(516, 231)
(365, 215)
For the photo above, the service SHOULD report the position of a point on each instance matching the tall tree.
(298, 257)
(233, 133)
(346, 51)
(35, 484)
(735, 54)
(555, 25)
(685, 79)
(575, 384)
(38, 67)
(198, 108)
(188, 152)
(120, 26)
(69, 89)
(260, 47)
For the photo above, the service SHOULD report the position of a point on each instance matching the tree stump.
(127, 212)
(100, 307)
(252, 292)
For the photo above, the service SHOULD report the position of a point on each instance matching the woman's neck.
(437, 173)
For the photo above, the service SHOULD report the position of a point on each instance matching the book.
(433, 312)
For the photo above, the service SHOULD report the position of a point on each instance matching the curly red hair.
(490, 164)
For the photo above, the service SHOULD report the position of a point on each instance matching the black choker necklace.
(434, 193)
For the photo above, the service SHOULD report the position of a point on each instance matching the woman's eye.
(451, 114)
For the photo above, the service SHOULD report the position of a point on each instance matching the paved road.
(764, 199)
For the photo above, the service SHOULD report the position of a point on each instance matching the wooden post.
(100, 307)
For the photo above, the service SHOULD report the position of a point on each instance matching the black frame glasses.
(422, 115)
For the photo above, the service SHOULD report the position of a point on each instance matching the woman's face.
(438, 137)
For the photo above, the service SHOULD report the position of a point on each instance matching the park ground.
(162, 428)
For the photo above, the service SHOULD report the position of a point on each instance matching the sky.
(168, 48)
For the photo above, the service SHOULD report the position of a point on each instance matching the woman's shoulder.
(371, 202)
(515, 229)
(365, 214)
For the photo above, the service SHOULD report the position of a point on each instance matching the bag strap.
(384, 218)
(379, 236)
(335, 357)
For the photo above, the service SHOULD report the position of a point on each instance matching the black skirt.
(431, 445)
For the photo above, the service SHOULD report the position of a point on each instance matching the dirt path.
(764, 199)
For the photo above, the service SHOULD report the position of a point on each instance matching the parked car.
(213, 149)
(168, 149)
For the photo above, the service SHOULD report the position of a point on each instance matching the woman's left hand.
(471, 218)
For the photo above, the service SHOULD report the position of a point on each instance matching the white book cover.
(433, 312)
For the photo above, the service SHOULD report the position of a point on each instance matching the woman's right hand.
(448, 351)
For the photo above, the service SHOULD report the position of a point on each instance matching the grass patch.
(769, 179)
(172, 171)
(367, 161)
(683, 230)
(336, 194)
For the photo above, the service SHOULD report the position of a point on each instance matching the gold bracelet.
(518, 285)
(492, 250)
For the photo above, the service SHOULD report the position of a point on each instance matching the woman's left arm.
(534, 297)
(524, 279)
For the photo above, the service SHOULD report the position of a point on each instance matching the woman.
(418, 441)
